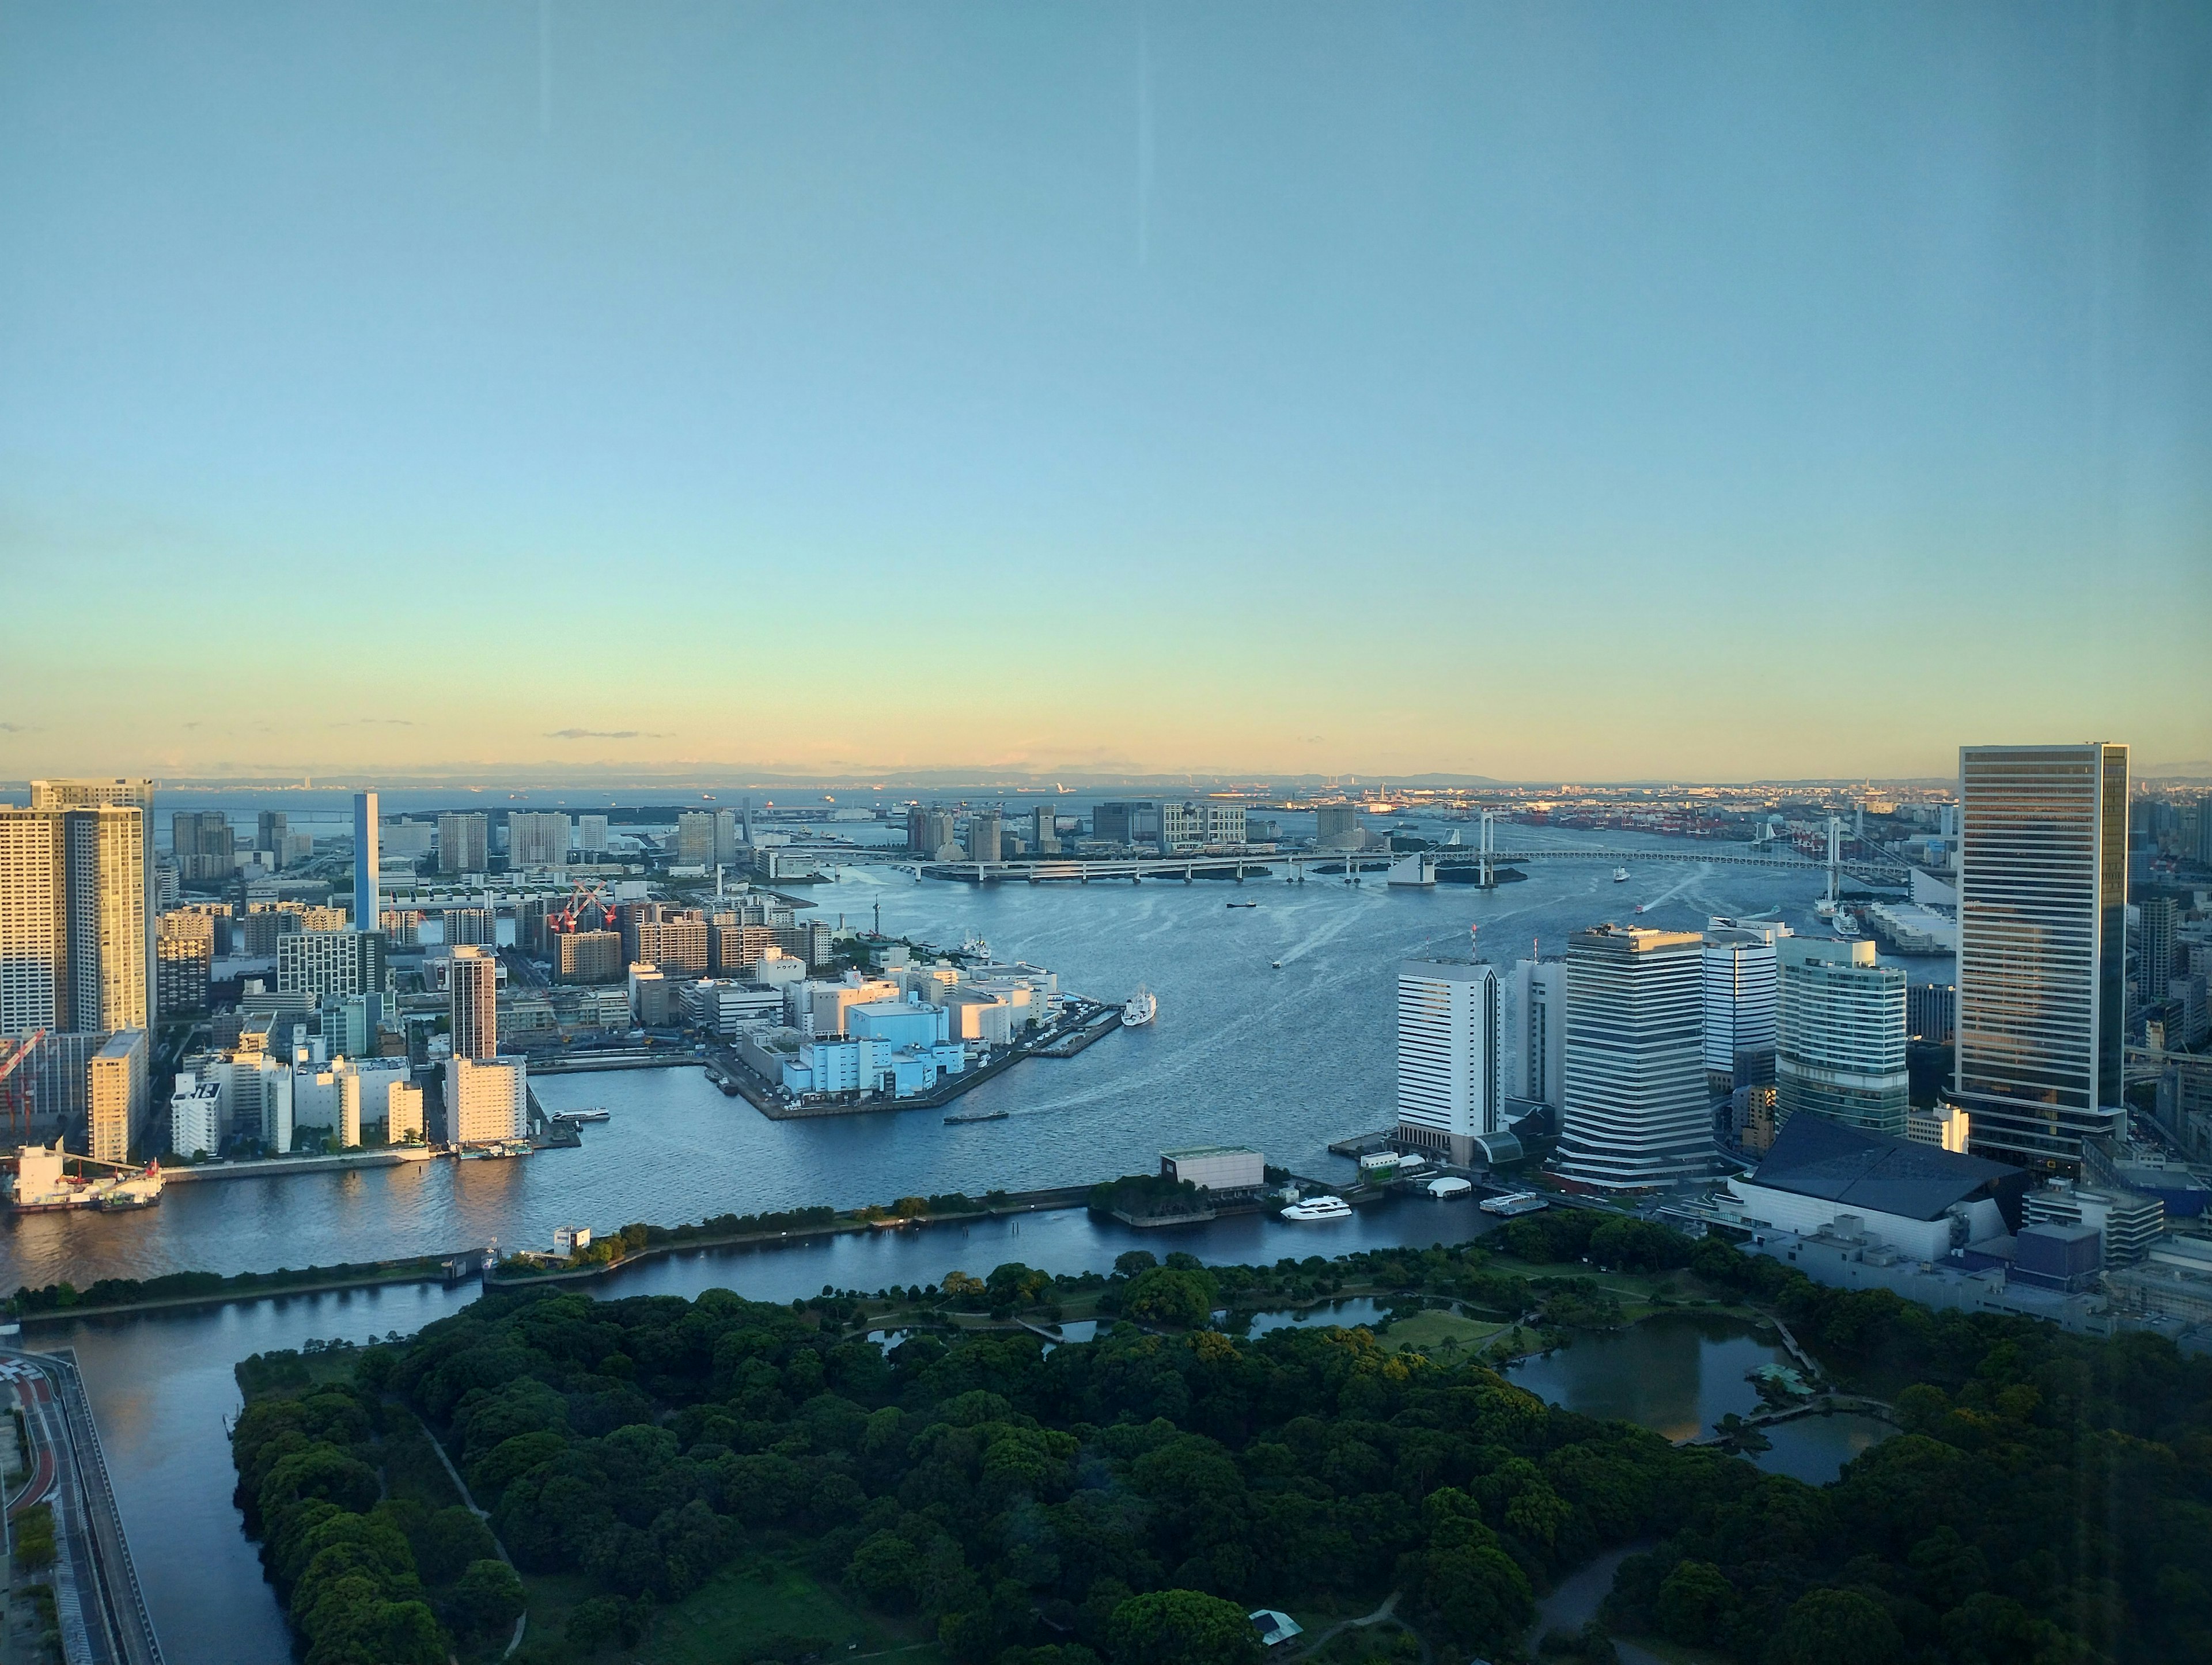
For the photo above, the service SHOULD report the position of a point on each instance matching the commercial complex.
(1636, 1103)
(1840, 1050)
(1449, 1046)
(2042, 948)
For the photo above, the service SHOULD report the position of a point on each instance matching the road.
(97, 1600)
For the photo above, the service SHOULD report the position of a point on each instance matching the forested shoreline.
(1126, 1499)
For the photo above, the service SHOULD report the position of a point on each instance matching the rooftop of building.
(1813, 1156)
(1197, 1150)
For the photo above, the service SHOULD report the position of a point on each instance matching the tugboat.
(1139, 1009)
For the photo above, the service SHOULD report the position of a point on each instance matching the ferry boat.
(579, 1116)
(976, 1115)
(1239, 904)
(1845, 926)
(1315, 1211)
(1139, 1009)
(1621, 875)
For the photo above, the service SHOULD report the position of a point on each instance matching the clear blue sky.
(1537, 390)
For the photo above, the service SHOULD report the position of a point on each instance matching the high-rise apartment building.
(184, 950)
(117, 1093)
(120, 792)
(537, 838)
(1336, 827)
(1740, 990)
(695, 838)
(1450, 1047)
(34, 922)
(271, 828)
(205, 847)
(726, 838)
(2042, 948)
(2159, 913)
(486, 1100)
(474, 1002)
(476, 926)
(110, 974)
(1536, 1032)
(1841, 1036)
(1044, 830)
(464, 844)
(589, 957)
(368, 870)
(1636, 1103)
(1136, 822)
(592, 834)
(320, 963)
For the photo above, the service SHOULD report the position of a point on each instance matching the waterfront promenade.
(98, 1604)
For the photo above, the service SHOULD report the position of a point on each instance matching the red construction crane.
(15, 1083)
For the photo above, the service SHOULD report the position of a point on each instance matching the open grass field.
(1428, 1333)
(739, 1614)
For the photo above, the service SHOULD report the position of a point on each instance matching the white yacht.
(1315, 1210)
(1139, 1009)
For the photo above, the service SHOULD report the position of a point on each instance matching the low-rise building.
(1217, 1168)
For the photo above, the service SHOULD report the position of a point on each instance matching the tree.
(1693, 1602)
(1181, 1627)
(486, 1602)
(1837, 1627)
(1162, 1295)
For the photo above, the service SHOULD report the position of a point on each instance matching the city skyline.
(1589, 396)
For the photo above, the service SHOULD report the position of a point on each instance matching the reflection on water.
(1240, 1054)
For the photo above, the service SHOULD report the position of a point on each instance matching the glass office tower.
(2042, 948)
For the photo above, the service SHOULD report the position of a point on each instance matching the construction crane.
(15, 1083)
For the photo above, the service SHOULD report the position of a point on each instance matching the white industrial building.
(1216, 1167)
(1448, 1054)
(1919, 1201)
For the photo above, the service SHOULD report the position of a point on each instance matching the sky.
(1536, 390)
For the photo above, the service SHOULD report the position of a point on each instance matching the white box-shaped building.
(1216, 1167)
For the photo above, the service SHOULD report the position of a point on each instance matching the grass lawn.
(1429, 1330)
(726, 1619)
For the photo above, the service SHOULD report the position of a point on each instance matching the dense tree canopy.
(1119, 1499)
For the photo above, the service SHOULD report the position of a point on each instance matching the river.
(1242, 1052)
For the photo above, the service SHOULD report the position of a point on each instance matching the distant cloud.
(376, 722)
(603, 734)
(14, 728)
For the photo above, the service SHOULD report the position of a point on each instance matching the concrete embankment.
(271, 1167)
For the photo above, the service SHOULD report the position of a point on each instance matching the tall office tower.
(1841, 1051)
(204, 846)
(1044, 830)
(34, 922)
(1449, 1047)
(1536, 1032)
(1739, 1004)
(726, 838)
(1336, 827)
(117, 1092)
(986, 835)
(271, 828)
(917, 828)
(1637, 1111)
(476, 1002)
(463, 844)
(1931, 1012)
(111, 977)
(367, 887)
(537, 838)
(2042, 948)
(2155, 948)
(1133, 823)
(592, 834)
